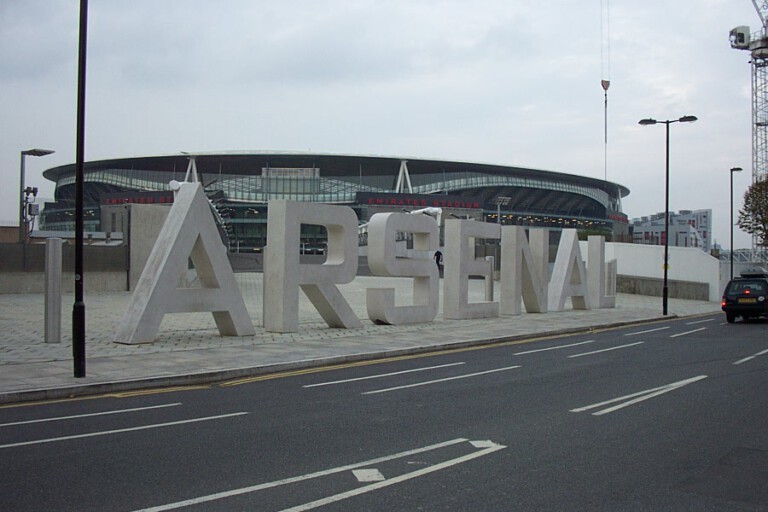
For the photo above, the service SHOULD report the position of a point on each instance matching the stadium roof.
(244, 162)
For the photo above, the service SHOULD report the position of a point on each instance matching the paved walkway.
(189, 349)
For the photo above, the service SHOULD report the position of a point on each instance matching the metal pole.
(731, 224)
(733, 170)
(22, 220)
(78, 310)
(489, 278)
(665, 286)
(53, 290)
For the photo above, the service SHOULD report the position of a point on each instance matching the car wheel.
(730, 317)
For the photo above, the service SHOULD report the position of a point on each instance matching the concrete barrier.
(22, 269)
(34, 282)
(653, 287)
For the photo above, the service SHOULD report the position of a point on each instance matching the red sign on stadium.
(418, 200)
(137, 198)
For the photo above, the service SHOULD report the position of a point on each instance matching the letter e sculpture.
(460, 264)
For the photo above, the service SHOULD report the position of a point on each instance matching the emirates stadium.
(241, 184)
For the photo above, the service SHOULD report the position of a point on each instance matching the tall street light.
(500, 201)
(78, 308)
(665, 286)
(733, 170)
(22, 201)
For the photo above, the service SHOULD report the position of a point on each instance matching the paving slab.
(189, 349)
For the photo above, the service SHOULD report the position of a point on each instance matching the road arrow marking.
(368, 475)
(485, 444)
(491, 448)
(396, 480)
(301, 478)
(638, 397)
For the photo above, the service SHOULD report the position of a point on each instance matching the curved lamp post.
(665, 287)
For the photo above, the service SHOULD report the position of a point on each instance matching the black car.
(746, 296)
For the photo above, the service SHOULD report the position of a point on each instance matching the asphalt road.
(665, 416)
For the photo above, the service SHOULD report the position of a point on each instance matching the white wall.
(685, 264)
(146, 221)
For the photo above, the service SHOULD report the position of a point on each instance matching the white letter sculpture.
(382, 260)
(524, 270)
(460, 263)
(188, 232)
(283, 274)
(569, 277)
(601, 276)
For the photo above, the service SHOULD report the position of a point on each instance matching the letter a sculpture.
(189, 232)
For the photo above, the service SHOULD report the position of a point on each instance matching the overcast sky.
(508, 82)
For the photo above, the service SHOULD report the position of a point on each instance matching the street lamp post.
(22, 191)
(500, 201)
(665, 286)
(78, 308)
(733, 170)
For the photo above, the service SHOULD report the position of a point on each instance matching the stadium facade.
(240, 185)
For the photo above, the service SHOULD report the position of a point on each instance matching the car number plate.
(747, 301)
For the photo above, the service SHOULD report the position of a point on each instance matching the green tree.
(584, 234)
(753, 217)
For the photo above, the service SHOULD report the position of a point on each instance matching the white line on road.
(641, 396)
(689, 332)
(301, 478)
(553, 348)
(439, 380)
(121, 430)
(646, 332)
(381, 375)
(59, 418)
(606, 349)
(700, 321)
(740, 361)
(395, 480)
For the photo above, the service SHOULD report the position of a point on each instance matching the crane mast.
(761, 11)
(757, 44)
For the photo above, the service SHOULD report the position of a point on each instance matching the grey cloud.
(34, 46)
(327, 42)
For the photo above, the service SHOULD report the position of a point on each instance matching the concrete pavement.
(189, 349)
